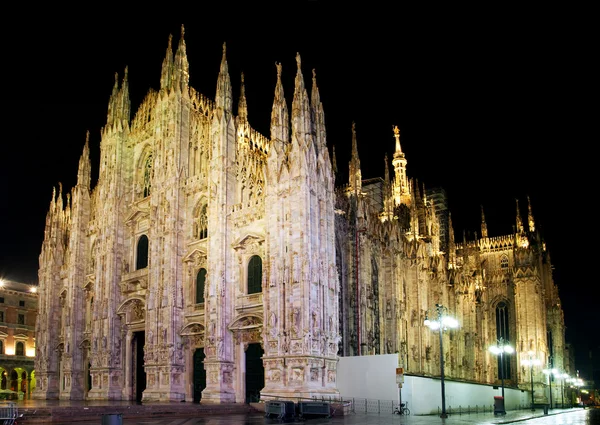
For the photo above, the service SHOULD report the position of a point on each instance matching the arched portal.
(199, 374)
(255, 372)
(139, 372)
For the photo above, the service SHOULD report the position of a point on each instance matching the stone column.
(128, 367)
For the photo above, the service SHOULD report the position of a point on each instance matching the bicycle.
(402, 409)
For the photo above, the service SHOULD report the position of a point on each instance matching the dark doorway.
(89, 377)
(255, 372)
(139, 339)
(199, 374)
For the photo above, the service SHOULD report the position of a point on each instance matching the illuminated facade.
(18, 312)
(211, 262)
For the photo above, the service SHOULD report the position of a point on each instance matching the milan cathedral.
(210, 262)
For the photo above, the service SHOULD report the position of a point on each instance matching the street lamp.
(441, 323)
(578, 383)
(550, 372)
(500, 349)
(564, 377)
(531, 362)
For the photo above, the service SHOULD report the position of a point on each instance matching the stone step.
(64, 413)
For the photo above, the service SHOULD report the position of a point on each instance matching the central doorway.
(255, 372)
(199, 374)
(139, 377)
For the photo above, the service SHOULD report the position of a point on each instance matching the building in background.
(18, 313)
(213, 263)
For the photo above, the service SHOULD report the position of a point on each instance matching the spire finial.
(397, 136)
(224, 48)
(530, 220)
(484, 231)
(278, 66)
(298, 61)
(182, 30)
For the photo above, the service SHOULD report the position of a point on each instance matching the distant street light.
(502, 347)
(531, 362)
(442, 322)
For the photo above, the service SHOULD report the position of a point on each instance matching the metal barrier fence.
(366, 405)
(467, 410)
(8, 412)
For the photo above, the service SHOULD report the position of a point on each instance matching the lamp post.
(441, 323)
(531, 362)
(564, 376)
(502, 347)
(550, 372)
(578, 382)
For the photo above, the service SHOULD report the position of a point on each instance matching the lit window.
(20, 349)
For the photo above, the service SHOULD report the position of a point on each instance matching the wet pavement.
(128, 413)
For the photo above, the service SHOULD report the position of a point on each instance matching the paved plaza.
(129, 413)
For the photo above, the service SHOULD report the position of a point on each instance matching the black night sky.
(492, 105)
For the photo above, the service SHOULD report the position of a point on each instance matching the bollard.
(112, 419)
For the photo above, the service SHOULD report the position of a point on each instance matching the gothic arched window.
(147, 182)
(255, 275)
(201, 222)
(142, 253)
(200, 283)
(504, 262)
(502, 331)
(20, 349)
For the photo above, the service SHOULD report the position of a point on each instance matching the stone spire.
(279, 116)
(355, 177)
(531, 222)
(318, 117)
(242, 106)
(124, 102)
(388, 198)
(520, 228)
(400, 186)
(301, 114)
(334, 161)
(484, 230)
(166, 74)
(181, 67)
(119, 105)
(112, 102)
(84, 171)
(223, 98)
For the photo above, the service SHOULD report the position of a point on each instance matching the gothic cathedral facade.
(212, 263)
